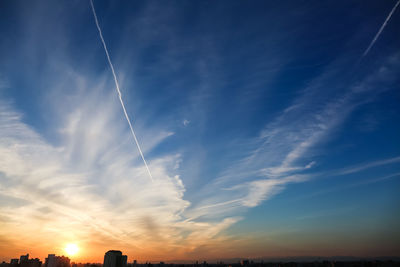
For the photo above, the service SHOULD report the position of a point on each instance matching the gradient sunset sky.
(271, 129)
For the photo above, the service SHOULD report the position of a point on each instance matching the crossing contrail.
(118, 90)
(381, 29)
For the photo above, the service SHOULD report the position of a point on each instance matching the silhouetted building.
(244, 262)
(14, 263)
(24, 261)
(23, 258)
(114, 258)
(30, 263)
(57, 261)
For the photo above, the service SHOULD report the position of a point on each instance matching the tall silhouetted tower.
(114, 258)
(23, 258)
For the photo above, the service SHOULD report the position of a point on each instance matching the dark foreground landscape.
(115, 258)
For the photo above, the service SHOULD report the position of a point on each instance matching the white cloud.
(283, 153)
(365, 166)
(91, 185)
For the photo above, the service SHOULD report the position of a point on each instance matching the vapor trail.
(381, 29)
(118, 90)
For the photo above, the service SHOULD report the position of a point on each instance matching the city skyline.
(197, 130)
(115, 258)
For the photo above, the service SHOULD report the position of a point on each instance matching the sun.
(71, 249)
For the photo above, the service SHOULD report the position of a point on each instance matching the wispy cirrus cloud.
(85, 180)
(283, 153)
(351, 185)
(366, 166)
(90, 186)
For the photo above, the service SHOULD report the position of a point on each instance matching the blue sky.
(269, 128)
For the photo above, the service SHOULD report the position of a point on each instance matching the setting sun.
(71, 249)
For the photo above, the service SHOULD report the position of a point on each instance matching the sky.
(270, 129)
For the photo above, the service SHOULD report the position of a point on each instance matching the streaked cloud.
(381, 29)
(214, 150)
(283, 152)
(366, 166)
(91, 187)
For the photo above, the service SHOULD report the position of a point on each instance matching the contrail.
(381, 29)
(118, 90)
